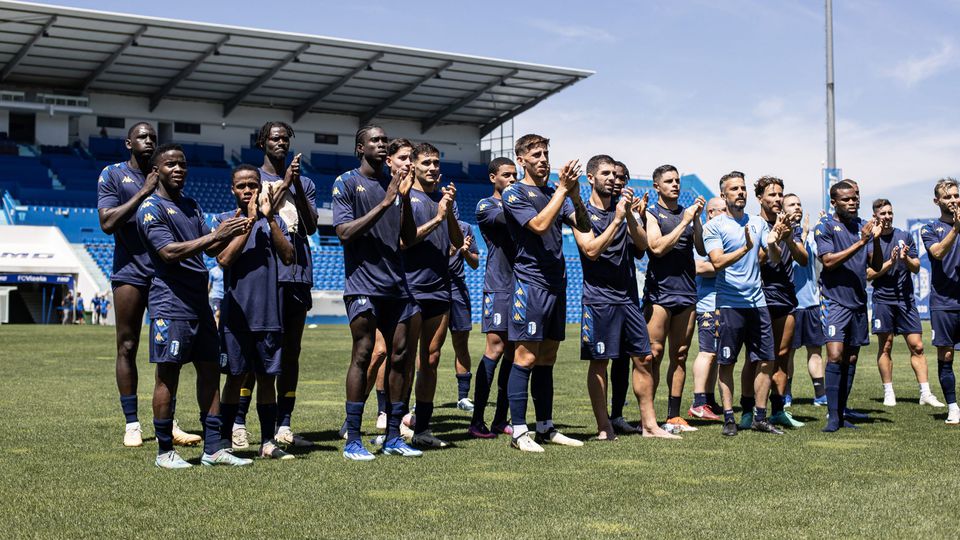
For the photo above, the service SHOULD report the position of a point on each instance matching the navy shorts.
(896, 319)
(808, 330)
(430, 308)
(250, 352)
(707, 330)
(674, 307)
(749, 327)
(215, 304)
(779, 312)
(537, 314)
(496, 311)
(388, 311)
(946, 328)
(461, 319)
(610, 331)
(181, 341)
(295, 297)
(845, 325)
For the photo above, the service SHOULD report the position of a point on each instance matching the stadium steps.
(102, 281)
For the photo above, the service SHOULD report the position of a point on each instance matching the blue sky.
(707, 86)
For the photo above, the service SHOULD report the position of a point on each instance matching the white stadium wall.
(456, 142)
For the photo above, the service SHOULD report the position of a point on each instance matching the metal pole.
(831, 118)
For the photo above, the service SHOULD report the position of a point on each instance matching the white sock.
(519, 429)
(239, 426)
(545, 426)
(953, 407)
(924, 388)
(888, 388)
(133, 425)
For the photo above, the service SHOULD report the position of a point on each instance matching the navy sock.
(851, 371)
(699, 399)
(948, 381)
(790, 386)
(227, 410)
(285, 405)
(746, 404)
(354, 411)
(832, 387)
(481, 390)
(619, 382)
(760, 414)
(398, 409)
(128, 404)
(173, 408)
(728, 416)
(843, 394)
(517, 394)
(163, 429)
(541, 389)
(711, 398)
(381, 401)
(776, 403)
(673, 407)
(424, 414)
(463, 385)
(818, 387)
(211, 433)
(243, 406)
(503, 393)
(267, 412)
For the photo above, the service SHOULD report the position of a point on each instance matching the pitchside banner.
(921, 280)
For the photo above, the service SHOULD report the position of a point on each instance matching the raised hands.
(640, 204)
(748, 240)
(446, 202)
(870, 229)
(269, 204)
(570, 177)
(693, 211)
(151, 181)
(234, 226)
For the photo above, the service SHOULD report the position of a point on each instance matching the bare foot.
(659, 433)
(606, 435)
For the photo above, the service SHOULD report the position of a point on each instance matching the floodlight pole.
(831, 117)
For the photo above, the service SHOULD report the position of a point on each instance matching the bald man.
(705, 404)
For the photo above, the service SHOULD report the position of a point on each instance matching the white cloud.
(917, 69)
(574, 31)
(883, 158)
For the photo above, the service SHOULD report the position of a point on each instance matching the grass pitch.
(64, 472)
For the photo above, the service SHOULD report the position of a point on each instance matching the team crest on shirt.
(361, 189)
(594, 217)
(663, 216)
(127, 180)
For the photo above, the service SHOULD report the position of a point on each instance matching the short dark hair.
(528, 141)
(943, 185)
(761, 184)
(265, 132)
(361, 133)
(396, 144)
(424, 149)
(163, 149)
(661, 170)
(495, 165)
(138, 124)
(729, 175)
(594, 163)
(843, 184)
(880, 203)
(243, 168)
(624, 166)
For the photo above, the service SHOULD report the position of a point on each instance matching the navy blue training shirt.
(778, 278)
(372, 262)
(178, 290)
(427, 262)
(118, 184)
(671, 278)
(498, 273)
(458, 278)
(539, 258)
(612, 278)
(251, 299)
(846, 284)
(301, 271)
(944, 273)
(895, 286)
